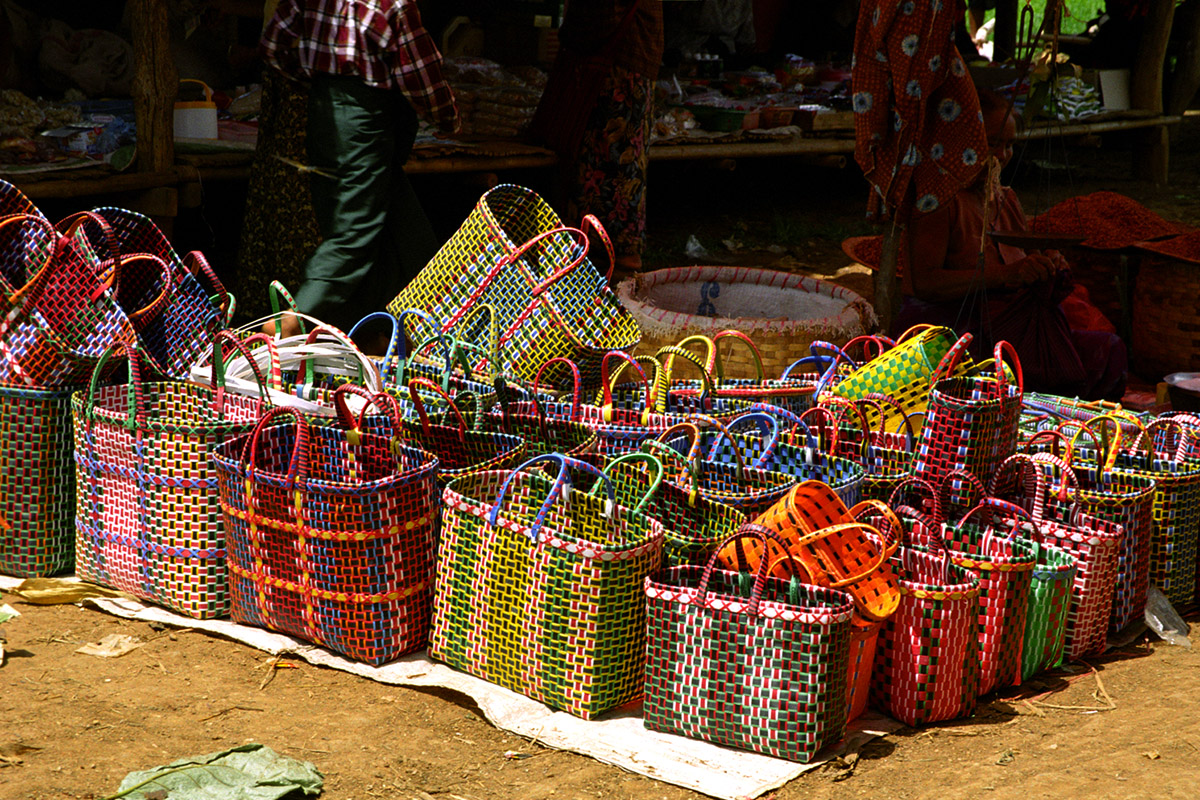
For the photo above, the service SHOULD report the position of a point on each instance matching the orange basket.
(832, 547)
(863, 635)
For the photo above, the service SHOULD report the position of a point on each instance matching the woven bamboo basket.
(1166, 311)
(781, 312)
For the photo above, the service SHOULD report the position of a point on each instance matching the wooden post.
(1005, 34)
(1185, 79)
(887, 296)
(1150, 156)
(155, 85)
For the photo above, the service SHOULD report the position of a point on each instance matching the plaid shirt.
(380, 41)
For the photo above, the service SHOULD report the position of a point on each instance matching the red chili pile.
(1109, 220)
(1180, 248)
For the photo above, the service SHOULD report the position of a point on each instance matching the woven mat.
(619, 739)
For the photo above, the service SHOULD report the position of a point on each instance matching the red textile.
(381, 41)
(919, 134)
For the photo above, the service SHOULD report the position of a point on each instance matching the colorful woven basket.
(539, 588)
(148, 517)
(37, 483)
(927, 655)
(970, 424)
(1004, 563)
(57, 315)
(331, 535)
(709, 637)
(906, 372)
(196, 305)
(1046, 618)
(1093, 542)
(513, 253)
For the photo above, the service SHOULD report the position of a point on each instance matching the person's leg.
(409, 242)
(1106, 361)
(351, 138)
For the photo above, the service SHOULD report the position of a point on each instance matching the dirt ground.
(72, 725)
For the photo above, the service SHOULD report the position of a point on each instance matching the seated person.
(1004, 292)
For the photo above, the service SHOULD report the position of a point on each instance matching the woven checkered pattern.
(196, 304)
(1049, 495)
(1071, 408)
(1003, 561)
(513, 254)
(1176, 520)
(460, 450)
(57, 316)
(1049, 603)
(761, 670)
(541, 593)
(147, 514)
(542, 434)
(903, 373)
(971, 424)
(14, 201)
(927, 656)
(331, 536)
(37, 483)
(693, 526)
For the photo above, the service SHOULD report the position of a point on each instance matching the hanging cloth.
(919, 136)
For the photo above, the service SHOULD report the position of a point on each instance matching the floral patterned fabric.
(610, 172)
(918, 130)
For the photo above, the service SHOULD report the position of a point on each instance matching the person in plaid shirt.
(373, 69)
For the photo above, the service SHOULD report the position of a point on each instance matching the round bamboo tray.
(782, 313)
(1166, 311)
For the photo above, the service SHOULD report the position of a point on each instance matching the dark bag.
(1038, 329)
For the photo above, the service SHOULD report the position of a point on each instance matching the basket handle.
(755, 355)
(298, 460)
(830, 420)
(949, 362)
(767, 424)
(280, 296)
(1108, 450)
(112, 272)
(395, 341)
(662, 378)
(1146, 435)
(822, 363)
(910, 431)
(561, 488)
(490, 354)
(306, 373)
(135, 405)
(764, 535)
(713, 422)
(32, 289)
(275, 378)
(514, 255)
(419, 404)
(607, 382)
(655, 479)
(989, 506)
(576, 387)
(829, 568)
(217, 384)
(839, 357)
(894, 526)
(866, 340)
(966, 479)
(380, 400)
(453, 351)
(74, 224)
(935, 499)
(1058, 438)
(711, 359)
(199, 268)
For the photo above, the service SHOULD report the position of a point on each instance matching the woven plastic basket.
(37, 483)
(782, 313)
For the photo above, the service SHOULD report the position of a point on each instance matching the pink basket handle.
(1057, 437)
(866, 340)
(419, 404)
(935, 500)
(298, 460)
(989, 506)
(576, 387)
(1146, 435)
(382, 401)
(829, 419)
(276, 376)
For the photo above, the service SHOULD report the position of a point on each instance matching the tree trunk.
(1150, 156)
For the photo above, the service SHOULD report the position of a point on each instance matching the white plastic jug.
(196, 119)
